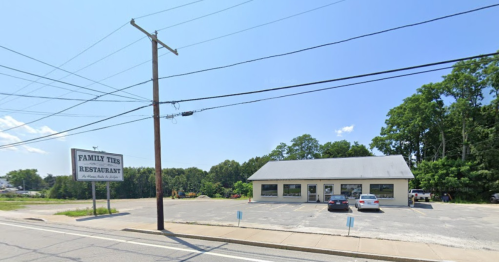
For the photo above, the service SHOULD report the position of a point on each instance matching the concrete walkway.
(335, 245)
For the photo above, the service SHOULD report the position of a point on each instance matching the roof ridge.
(348, 157)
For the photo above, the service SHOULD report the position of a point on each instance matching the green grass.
(7, 206)
(31, 199)
(86, 212)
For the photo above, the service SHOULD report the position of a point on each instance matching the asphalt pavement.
(39, 241)
(456, 225)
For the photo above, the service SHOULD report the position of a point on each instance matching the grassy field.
(8, 203)
(29, 199)
(7, 206)
(86, 212)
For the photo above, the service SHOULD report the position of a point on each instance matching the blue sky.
(55, 31)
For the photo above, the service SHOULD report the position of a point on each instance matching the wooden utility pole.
(157, 133)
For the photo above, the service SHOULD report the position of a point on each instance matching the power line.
(318, 90)
(228, 105)
(44, 113)
(75, 128)
(162, 11)
(209, 40)
(33, 81)
(241, 103)
(330, 80)
(264, 24)
(99, 41)
(71, 99)
(82, 132)
(72, 58)
(141, 38)
(66, 109)
(200, 17)
(332, 43)
(66, 83)
(71, 73)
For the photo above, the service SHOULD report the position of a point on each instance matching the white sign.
(96, 166)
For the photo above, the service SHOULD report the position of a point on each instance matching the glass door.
(312, 193)
(328, 192)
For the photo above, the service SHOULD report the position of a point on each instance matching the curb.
(283, 246)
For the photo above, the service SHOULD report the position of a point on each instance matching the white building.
(317, 179)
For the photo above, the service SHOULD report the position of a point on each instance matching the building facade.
(316, 180)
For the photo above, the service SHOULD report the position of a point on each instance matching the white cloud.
(346, 129)
(34, 150)
(9, 122)
(45, 130)
(26, 130)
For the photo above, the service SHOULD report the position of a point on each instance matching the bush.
(218, 196)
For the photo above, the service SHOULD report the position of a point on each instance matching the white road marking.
(278, 207)
(137, 243)
(418, 211)
(299, 208)
(257, 205)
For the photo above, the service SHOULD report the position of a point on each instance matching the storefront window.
(269, 190)
(351, 191)
(292, 190)
(382, 190)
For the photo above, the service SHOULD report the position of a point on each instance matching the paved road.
(38, 241)
(467, 226)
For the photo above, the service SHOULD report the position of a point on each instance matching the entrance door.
(312, 193)
(328, 192)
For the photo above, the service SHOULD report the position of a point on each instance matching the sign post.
(93, 197)
(239, 217)
(350, 221)
(92, 166)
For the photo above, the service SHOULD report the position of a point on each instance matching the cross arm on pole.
(154, 37)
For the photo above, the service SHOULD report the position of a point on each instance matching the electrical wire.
(162, 11)
(330, 80)
(68, 108)
(172, 116)
(200, 17)
(74, 128)
(264, 24)
(71, 73)
(323, 89)
(209, 40)
(33, 81)
(66, 83)
(332, 43)
(82, 132)
(99, 41)
(70, 99)
(44, 113)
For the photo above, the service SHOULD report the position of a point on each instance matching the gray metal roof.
(371, 167)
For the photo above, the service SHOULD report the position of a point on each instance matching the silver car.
(367, 201)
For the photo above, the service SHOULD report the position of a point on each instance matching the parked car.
(419, 194)
(367, 201)
(494, 198)
(338, 202)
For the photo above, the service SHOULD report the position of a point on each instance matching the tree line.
(449, 132)
(222, 180)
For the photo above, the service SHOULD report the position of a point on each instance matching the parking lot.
(469, 226)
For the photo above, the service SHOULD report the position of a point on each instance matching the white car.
(367, 201)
